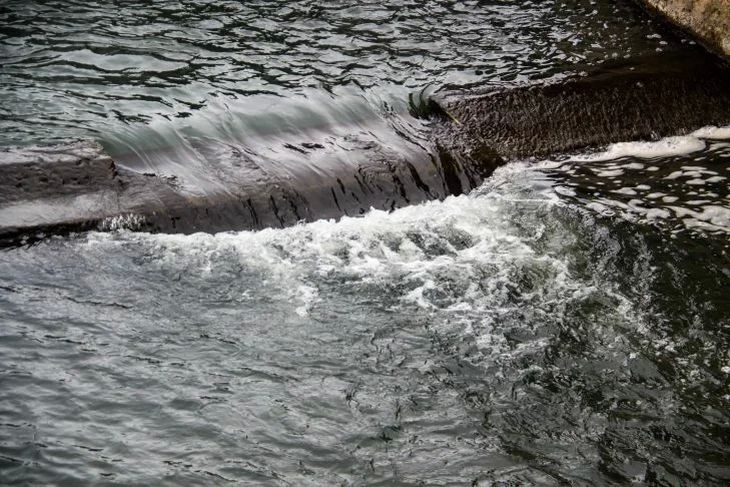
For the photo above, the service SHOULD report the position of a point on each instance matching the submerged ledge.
(76, 186)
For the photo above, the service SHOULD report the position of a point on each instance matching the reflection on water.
(299, 138)
(73, 68)
(510, 335)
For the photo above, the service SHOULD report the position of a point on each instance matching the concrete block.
(707, 20)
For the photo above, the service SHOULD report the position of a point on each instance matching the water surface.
(72, 68)
(509, 335)
(567, 322)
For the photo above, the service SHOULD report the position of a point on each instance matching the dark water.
(101, 68)
(510, 335)
(567, 322)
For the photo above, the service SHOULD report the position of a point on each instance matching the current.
(565, 323)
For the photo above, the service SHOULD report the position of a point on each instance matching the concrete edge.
(707, 21)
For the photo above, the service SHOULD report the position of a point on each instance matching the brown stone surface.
(708, 20)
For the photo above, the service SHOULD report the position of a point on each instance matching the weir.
(76, 186)
(563, 321)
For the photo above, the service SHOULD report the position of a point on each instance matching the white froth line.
(669, 146)
(712, 132)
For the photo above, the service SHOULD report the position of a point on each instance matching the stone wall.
(708, 20)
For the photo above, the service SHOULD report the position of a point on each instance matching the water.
(679, 183)
(100, 68)
(566, 322)
(506, 335)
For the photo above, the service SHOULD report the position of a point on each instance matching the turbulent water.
(506, 335)
(566, 322)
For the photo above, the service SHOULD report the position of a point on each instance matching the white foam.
(635, 166)
(674, 175)
(610, 173)
(712, 132)
(466, 259)
(666, 147)
(307, 295)
(129, 222)
(670, 146)
(626, 191)
(657, 213)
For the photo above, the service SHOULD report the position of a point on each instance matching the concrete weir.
(707, 20)
(641, 99)
(76, 186)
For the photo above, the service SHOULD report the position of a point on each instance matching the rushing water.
(506, 335)
(567, 322)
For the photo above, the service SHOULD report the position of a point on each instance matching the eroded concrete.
(708, 20)
(641, 99)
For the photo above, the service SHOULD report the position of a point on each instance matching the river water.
(566, 322)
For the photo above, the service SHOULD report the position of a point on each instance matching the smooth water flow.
(118, 71)
(567, 322)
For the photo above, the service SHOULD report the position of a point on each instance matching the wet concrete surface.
(639, 99)
(707, 20)
(77, 186)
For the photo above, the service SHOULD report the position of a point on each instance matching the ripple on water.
(93, 67)
(525, 333)
(506, 335)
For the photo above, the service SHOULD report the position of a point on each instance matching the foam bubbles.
(683, 190)
(671, 146)
(712, 132)
(129, 221)
(666, 147)
(471, 264)
(307, 295)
